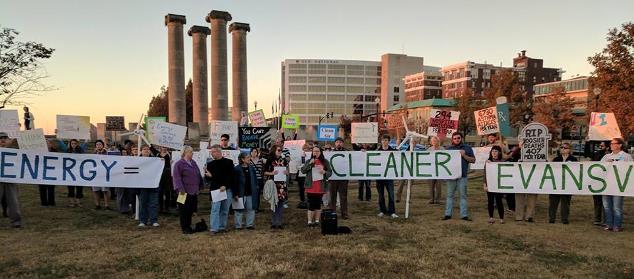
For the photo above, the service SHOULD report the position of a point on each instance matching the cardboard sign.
(9, 122)
(534, 138)
(327, 132)
(249, 137)
(487, 121)
(481, 155)
(32, 140)
(442, 123)
(363, 132)
(115, 123)
(167, 134)
(73, 127)
(290, 121)
(257, 118)
(603, 126)
(218, 128)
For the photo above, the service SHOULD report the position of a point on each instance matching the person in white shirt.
(613, 205)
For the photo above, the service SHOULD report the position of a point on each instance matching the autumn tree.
(466, 104)
(21, 70)
(614, 76)
(555, 112)
(159, 106)
(505, 83)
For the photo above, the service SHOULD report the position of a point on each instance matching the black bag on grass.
(201, 226)
(328, 221)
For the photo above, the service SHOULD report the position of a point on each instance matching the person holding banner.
(493, 198)
(613, 205)
(167, 196)
(301, 177)
(274, 161)
(339, 187)
(221, 177)
(9, 191)
(98, 191)
(435, 190)
(187, 181)
(258, 165)
(246, 192)
(364, 185)
(382, 185)
(459, 184)
(47, 192)
(148, 200)
(553, 200)
(75, 193)
(316, 187)
(597, 199)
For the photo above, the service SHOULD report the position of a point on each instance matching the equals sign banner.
(130, 170)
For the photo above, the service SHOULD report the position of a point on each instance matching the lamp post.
(327, 116)
(377, 101)
(597, 92)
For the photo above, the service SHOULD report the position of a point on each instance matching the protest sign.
(373, 165)
(504, 119)
(290, 121)
(233, 155)
(155, 118)
(218, 128)
(257, 118)
(249, 137)
(32, 140)
(442, 123)
(487, 121)
(327, 132)
(9, 122)
(603, 126)
(365, 132)
(295, 148)
(481, 155)
(73, 127)
(167, 134)
(53, 168)
(115, 123)
(534, 139)
(200, 157)
(569, 178)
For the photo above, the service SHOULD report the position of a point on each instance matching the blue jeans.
(148, 206)
(613, 207)
(380, 188)
(461, 185)
(220, 213)
(248, 207)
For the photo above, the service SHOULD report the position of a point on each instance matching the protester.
(339, 187)
(316, 188)
(553, 199)
(167, 196)
(220, 175)
(148, 200)
(524, 203)
(224, 142)
(383, 184)
(258, 164)
(9, 191)
(97, 192)
(301, 177)
(75, 193)
(47, 192)
(29, 123)
(460, 184)
(365, 185)
(514, 156)
(187, 181)
(598, 199)
(124, 195)
(435, 189)
(493, 198)
(276, 160)
(403, 182)
(493, 140)
(246, 191)
(613, 205)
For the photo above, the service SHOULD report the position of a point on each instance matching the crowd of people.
(252, 180)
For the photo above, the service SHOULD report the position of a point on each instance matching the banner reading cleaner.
(34, 167)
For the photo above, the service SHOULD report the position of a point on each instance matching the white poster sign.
(200, 157)
(365, 132)
(487, 121)
(295, 148)
(9, 122)
(481, 155)
(603, 126)
(32, 140)
(218, 128)
(73, 127)
(233, 155)
(166, 134)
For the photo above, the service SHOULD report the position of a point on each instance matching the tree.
(505, 83)
(555, 112)
(21, 71)
(614, 76)
(159, 106)
(467, 104)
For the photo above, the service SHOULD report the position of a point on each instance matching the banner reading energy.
(571, 178)
(35, 167)
(358, 165)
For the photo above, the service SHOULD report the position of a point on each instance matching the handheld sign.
(487, 121)
(295, 148)
(250, 136)
(9, 122)
(257, 118)
(73, 127)
(365, 132)
(603, 126)
(218, 128)
(167, 134)
(115, 123)
(504, 119)
(32, 140)
(534, 138)
(327, 132)
(290, 121)
(442, 123)
(481, 155)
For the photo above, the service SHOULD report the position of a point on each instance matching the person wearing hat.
(9, 191)
(339, 187)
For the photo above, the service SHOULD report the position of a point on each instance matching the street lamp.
(377, 101)
(327, 116)
(597, 92)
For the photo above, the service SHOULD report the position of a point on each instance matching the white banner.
(218, 128)
(377, 165)
(34, 167)
(571, 178)
(481, 155)
(32, 140)
(73, 127)
(9, 122)
(166, 134)
(365, 132)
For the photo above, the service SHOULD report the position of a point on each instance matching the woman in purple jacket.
(187, 180)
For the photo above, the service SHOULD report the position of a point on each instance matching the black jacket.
(222, 174)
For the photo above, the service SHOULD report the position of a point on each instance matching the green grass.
(62, 242)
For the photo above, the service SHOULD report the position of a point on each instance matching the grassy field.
(82, 242)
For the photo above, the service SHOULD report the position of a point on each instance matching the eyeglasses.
(456, 138)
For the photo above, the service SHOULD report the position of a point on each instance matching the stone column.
(219, 102)
(239, 69)
(176, 69)
(199, 77)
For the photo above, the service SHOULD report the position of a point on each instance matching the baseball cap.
(340, 139)
(4, 135)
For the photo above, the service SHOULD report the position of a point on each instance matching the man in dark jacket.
(221, 177)
(339, 186)
(598, 199)
(386, 184)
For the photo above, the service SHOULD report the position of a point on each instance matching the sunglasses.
(457, 138)
(224, 140)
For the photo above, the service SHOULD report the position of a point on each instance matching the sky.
(111, 56)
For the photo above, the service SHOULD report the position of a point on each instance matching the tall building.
(394, 67)
(531, 71)
(311, 88)
(424, 85)
(457, 78)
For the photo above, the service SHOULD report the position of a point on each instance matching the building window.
(396, 89)
(396, 98)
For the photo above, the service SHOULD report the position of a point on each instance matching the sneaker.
(530, 220)
(617, 229)
(446, 218)
(466, 219)
(316, 224)
(212, 233)
(394, 216)
(285, 205)
(97, 207)
(551, 221)
(565, 222)
(597, 223)
(250, 228)
(380, 214)
(310, 224)
(141, 225)
(156, 225)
